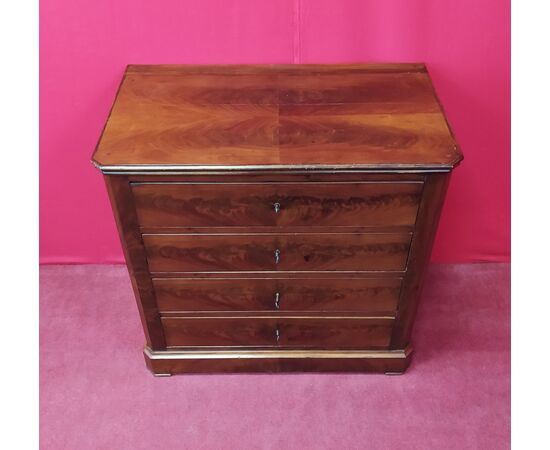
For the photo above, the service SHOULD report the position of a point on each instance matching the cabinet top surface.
(240, 117)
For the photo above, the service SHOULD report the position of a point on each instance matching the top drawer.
(309, 204)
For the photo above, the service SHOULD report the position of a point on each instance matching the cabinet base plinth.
(171, 362)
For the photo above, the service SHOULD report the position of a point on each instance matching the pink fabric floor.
(96, 393)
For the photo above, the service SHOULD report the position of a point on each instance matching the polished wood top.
(288, 117)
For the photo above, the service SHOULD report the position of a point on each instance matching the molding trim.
(267, 170)
(276, 354)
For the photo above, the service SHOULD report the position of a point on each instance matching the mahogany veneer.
(277, 218)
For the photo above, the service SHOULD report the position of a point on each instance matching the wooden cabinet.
(277, 218)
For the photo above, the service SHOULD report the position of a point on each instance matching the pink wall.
(85, 46)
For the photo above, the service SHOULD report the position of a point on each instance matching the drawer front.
(367, 295)
(288, 252)
(278, 332)
(277, 204)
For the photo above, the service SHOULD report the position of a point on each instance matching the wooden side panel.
(368, 295)
(435, 189)
(278, 252)
(278, 332)
(124, 211)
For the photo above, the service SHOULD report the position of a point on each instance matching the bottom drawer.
(280, 332)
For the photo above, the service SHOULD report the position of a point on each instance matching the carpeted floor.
(96, 393)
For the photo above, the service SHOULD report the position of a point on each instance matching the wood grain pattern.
(367, 296)
(124, 211)
(278, 332)
(421, 248)
(277, 204)
(363, 116)
(256, 252)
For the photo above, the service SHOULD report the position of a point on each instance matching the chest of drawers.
(277, 218)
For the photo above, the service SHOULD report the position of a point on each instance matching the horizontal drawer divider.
(178, 315)
(237, 230)
(262, 275)
(264, 183)
(279, 272)
(279, 275)
(273, 233)
(278, 315)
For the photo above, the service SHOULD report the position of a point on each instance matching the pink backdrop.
(85, 45)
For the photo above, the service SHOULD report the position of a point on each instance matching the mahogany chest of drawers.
(277, 218)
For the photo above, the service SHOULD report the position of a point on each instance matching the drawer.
(277, 204)
(281, 252)
(328, 333)
(361, 295)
